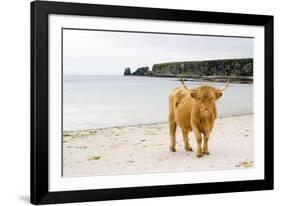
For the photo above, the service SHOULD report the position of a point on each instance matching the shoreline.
(144, 149)
(145, 124)
(216, 79)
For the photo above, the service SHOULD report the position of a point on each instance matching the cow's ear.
(218, 94)
(194, 95)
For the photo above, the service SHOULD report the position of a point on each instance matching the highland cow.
(193, 110)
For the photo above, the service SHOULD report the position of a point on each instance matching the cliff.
(237, 69)
(224, 67)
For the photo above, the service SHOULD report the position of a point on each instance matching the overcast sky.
(101, 52)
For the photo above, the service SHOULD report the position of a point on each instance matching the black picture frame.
(39, 102)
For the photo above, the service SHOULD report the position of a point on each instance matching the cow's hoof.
(188, 149)
(172, 149)
(206, 152)
(199, 155)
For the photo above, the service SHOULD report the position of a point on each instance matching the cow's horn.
(183, 84)
(225, 86)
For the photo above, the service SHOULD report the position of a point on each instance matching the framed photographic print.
(131, 102)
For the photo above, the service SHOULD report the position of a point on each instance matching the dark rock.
(127, 71)
(142, 71)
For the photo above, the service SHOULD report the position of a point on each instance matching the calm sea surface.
(91, 102)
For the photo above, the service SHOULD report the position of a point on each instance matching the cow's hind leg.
(172, 127)
(187, 146)
(199, 142)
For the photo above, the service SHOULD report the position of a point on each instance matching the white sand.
(145, 149)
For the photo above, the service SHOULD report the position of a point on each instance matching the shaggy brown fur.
(193, 110)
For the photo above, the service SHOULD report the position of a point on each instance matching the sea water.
(91, 102)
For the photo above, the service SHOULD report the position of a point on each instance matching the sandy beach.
(145, 149)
